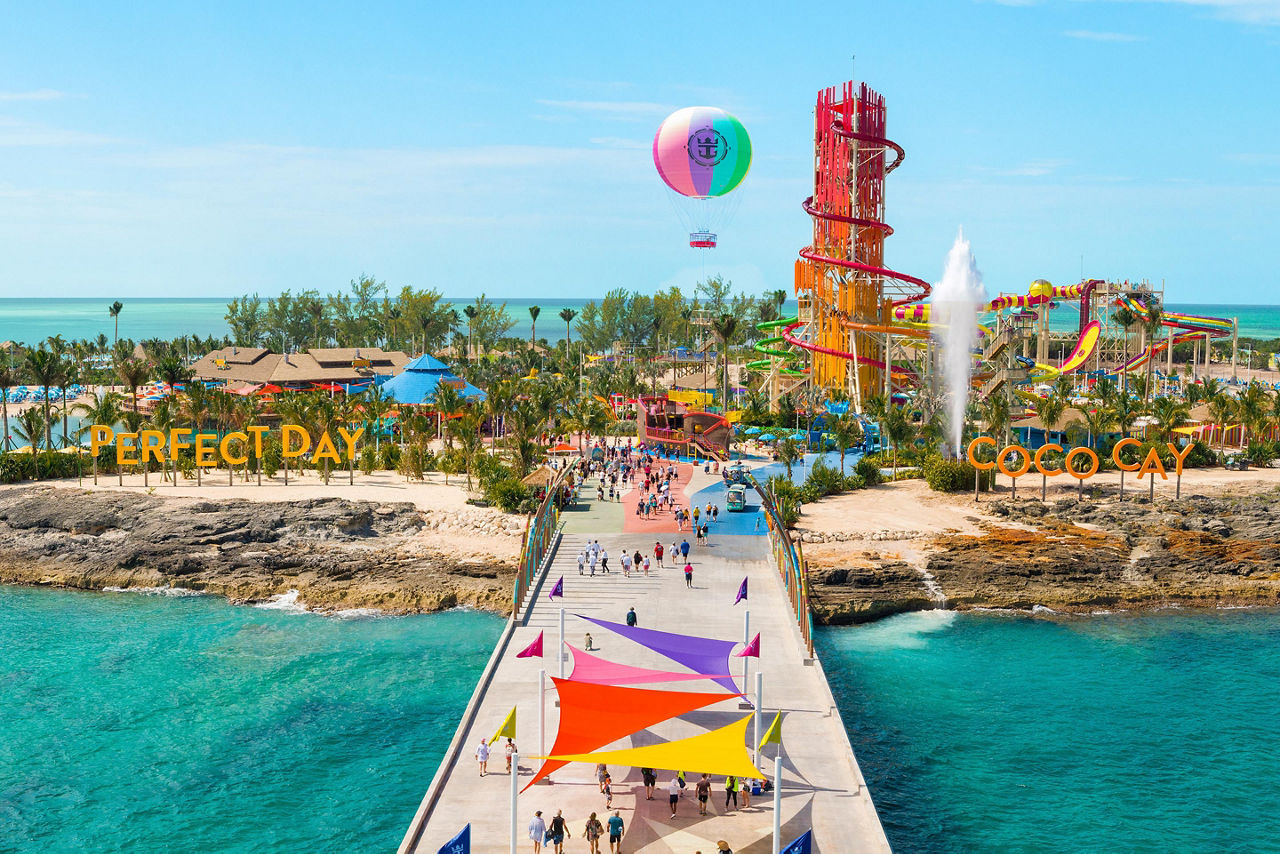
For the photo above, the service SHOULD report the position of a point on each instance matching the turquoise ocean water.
(988, 732)
(30, 320)
(161, 723)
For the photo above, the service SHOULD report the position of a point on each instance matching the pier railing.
(788, 555)
(539, 537)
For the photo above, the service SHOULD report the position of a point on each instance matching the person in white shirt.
(582, 562)
(482, 756)
(673, 794)
(537, 831)
(626, 565)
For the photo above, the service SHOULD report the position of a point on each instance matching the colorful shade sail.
(701, 655)
(591, 668)
(702, 151)
(721, 751)
(592, 715)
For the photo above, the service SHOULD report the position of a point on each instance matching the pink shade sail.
(598, 671)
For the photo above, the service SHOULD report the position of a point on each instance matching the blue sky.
(177, 149)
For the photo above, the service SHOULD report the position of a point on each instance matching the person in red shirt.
(657, 552)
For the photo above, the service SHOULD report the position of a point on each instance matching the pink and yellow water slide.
(1189, 326)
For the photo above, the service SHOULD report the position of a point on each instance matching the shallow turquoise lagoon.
(159, 723)
(989, 732)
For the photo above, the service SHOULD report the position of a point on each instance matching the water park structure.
(865, 328)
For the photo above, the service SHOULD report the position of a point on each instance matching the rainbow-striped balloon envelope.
(702, 152)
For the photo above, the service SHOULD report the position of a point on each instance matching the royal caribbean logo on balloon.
(707, 147)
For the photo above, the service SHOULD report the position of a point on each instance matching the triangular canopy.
(592, 716)
(591, 668)
(701, 655)
(721, 752)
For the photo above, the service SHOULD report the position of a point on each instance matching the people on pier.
(537, 831)
(482, 756)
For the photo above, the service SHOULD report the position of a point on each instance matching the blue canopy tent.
(418, 382)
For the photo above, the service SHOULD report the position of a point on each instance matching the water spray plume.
(955, 302)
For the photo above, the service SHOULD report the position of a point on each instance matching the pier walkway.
(822, 785)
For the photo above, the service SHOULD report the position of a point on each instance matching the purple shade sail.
(701, 655)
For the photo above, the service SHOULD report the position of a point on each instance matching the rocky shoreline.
(338, 554)
(1068, 557)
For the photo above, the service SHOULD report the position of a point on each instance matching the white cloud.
(620, 142)
(1029, 169)
(1244, 11)
(14, 132)
(35, 95)
(1093, 36)
(633, 111)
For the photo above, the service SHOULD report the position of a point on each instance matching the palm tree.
(534, 311)
(567, 315)
(899, 430)
(1049, 410)
(1252, 409)
(581, 417)
(8, 379)
(1221, 408)
(44, 368)
(996, 414)
(847, 432)
(30, 425)
(1170, 414)
(133, 373)
(197, 404)
(1151, 325)
(104, 408)
(70, 375)
(471, 312)
(173, 372)
(114, 311)
(1098, 421)
(447, 402)
(724, 328)
(788, 454)
(496, 406)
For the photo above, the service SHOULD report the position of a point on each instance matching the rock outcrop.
(1070, 557)
(338, 554)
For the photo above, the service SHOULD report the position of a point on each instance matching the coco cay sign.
(1151, 465)
(234, 448)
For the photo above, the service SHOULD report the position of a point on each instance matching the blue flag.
(803, 844)
(558, 590)
(461, 844)
(742, 592)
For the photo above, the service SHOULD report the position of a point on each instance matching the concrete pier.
(822, 786)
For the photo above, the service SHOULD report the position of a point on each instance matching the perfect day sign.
(1151, 465)
(134, 449)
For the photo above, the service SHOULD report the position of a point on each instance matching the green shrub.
(946, 475)
(867, 469)
(508, 494)
(368, 459)
(389, 456)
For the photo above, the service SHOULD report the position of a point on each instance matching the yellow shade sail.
(721, 751)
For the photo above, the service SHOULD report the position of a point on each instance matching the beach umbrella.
(767, 437)
(751, 431)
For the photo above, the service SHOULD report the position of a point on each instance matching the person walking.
(582, 563)
(646, 564)
(537, 830)
(509, 748)
(715, 512)
(604, 561)
(730, 791)
(608, 792)
(695, 514)
(616, 827)
(626, 565)
(602, 771)
(593, 831)
(746, 793)
(650, 780)
(688, 575)
(559, 831)
(673, 795)
(684, 549)
(657, 552)
(631, 616)
(593, 563)
(703, 791)
(482, 757)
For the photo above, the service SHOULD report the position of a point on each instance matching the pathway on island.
(822, 786)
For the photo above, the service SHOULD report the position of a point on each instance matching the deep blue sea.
(149, 723)
(1120, 732)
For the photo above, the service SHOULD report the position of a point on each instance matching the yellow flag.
(508, 728)
(773, 735)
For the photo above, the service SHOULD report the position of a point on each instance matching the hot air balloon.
(702, 153)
